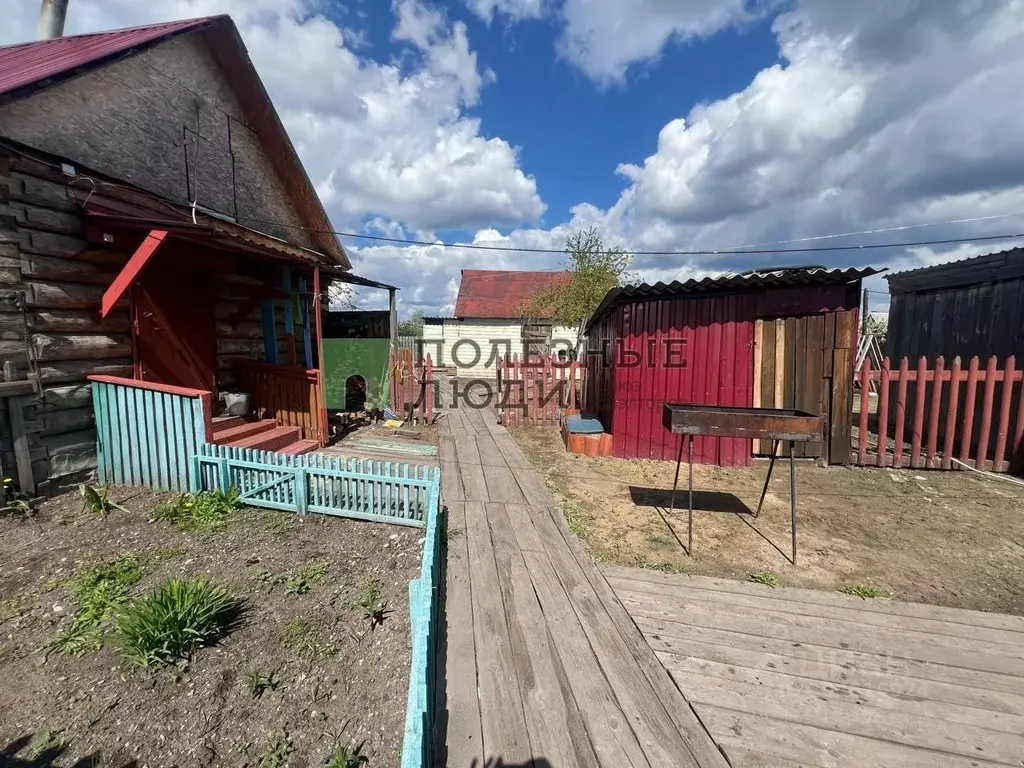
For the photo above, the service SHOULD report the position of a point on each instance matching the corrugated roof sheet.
(27, 63)
(990, 267)
(746, 282)
(495, 293)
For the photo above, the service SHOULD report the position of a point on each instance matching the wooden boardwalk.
(796, 677)
(539, 663)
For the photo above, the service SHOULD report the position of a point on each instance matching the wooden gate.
(313, 482)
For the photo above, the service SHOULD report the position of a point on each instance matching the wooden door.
(536, 340)
(174, 326)
(806, 362)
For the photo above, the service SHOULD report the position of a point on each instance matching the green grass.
(768, 578)
(96, 500)
(257, 683)
(98, 590)
(299, 582)
(864, 591)
(347, 756)
(48, 740)
(372, 602)
(642, 562)
(174, 620)
(304, 638)
(278, 752)
(576, 522)
(200, 513)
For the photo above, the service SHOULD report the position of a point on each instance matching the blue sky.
(665, 125)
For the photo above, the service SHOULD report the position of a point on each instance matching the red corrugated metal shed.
(495, 294)
(29, 63)
(694, 342)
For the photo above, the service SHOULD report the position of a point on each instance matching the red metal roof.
(39, 63)
(27, 63)
(496, 293)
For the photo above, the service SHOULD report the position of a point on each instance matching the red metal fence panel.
(983, 434)
(536, 390)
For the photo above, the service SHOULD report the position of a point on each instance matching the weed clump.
(99, 591)
(199, 513)
(175, 619)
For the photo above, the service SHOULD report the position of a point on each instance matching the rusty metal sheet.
(752, 423)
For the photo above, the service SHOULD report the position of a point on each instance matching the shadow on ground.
(11, 756)
(704, 501)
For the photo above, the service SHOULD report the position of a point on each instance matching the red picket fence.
(411, 385)
(536, 389)
(946, 417)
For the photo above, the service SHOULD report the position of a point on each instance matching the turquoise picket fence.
(146, 433)
(362, 489)
(424, 613)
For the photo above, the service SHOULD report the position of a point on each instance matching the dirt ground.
(339, 680)
(945, 538)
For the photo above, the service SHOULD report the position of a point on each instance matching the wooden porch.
(221, 309)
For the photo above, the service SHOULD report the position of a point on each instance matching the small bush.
(203, 512)
(768, 578)
(175, 619)
(864, 591)
(99, 591)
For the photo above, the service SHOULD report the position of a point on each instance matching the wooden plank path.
(541, 665)
(787, 677)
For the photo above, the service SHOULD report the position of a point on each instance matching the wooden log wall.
(51, 281)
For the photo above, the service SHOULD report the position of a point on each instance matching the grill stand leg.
(792, 498)
(688, 439)
(771, 466)
(689, 514)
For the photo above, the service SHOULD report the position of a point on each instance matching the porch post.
(289, 320)
(318, 320)
(393, 317)
(307, 342)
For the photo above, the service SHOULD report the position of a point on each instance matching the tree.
(413, 325)
(593, 271)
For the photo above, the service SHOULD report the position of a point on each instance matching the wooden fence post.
(901, 413)
(933, 412)
(968, 428)
(883, 412)
(865, 400)
(920, 394)
(988, 400)
(1004, 413)
(951, 413)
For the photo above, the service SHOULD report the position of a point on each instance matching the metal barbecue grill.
(775, 424)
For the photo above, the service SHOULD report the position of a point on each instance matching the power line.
(735, 251)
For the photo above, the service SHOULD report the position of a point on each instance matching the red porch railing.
(932, 417)
(290, 394)
(536, 389)
(411, 385)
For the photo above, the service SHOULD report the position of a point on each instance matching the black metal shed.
(966, 308)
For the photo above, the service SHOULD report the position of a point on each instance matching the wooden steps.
(263, 434)
(230, 435)
(299, 446)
